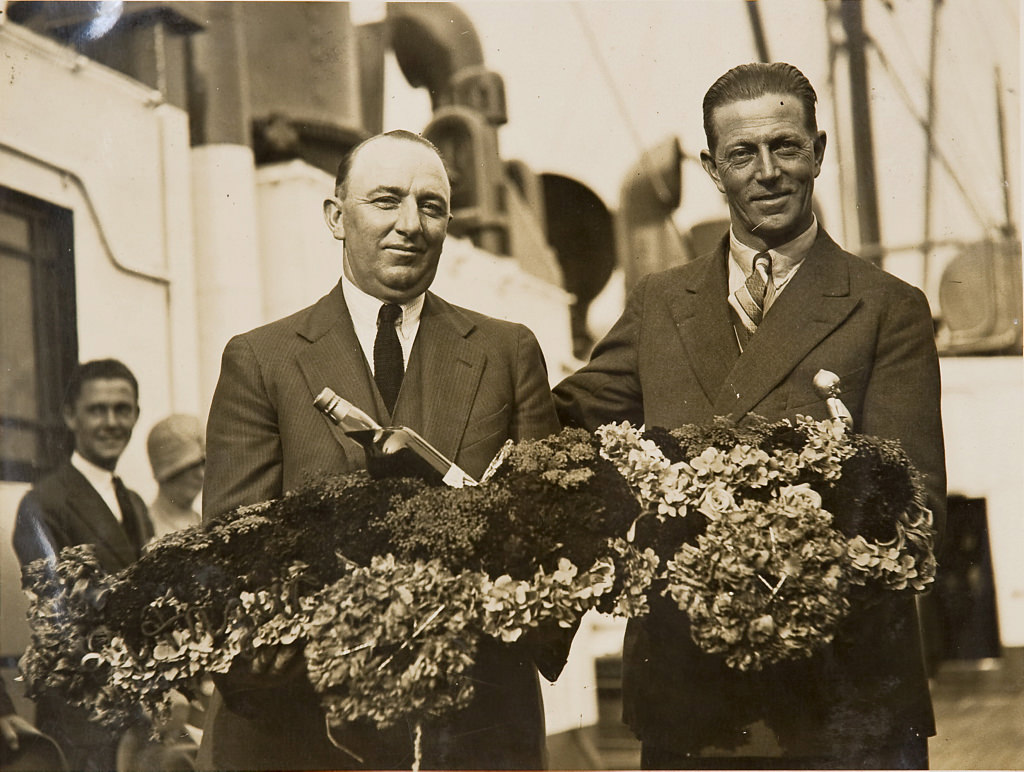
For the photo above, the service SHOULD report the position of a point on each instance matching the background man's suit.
(672, 359)
(63, 509)
(471, 383)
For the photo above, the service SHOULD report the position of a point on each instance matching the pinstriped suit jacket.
(472, 382)
(672, 359)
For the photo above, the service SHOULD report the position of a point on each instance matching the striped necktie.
(752, 294)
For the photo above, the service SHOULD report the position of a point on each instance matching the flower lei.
(764, 535)
(392, 629)
(388, 584)
(765, 571)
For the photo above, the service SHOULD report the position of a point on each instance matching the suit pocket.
(482, 429)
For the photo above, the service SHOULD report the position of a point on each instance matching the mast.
(863, 148)
(760, 42)
(929, 142)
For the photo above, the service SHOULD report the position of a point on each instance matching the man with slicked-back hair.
(741, 332)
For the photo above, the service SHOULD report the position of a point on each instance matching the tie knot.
(763, 260)
(389, 313)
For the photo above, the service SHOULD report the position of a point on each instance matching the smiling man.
(83, 502)
(382, 341)
(741, 332)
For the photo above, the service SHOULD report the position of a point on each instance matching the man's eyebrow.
(393, 189)
(401, 192)
(782, 134)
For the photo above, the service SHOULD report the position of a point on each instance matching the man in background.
(83, 501)
(740, 332)
(382, 341)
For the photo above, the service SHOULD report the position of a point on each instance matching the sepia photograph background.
(163, 164)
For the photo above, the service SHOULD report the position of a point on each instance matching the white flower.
(799, 497)
(717, 500)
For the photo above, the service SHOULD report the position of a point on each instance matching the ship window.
(38, 333)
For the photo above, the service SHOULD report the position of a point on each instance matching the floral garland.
(769, 531)
(388, 584)
(418, 649)
(765, 535)
(734, 609)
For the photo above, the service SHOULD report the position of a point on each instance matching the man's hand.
(173, 725)
(254, 688)
(274, 660)
(10, 726)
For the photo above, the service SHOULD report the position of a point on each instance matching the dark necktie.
(752, 294)
(128, 519)
(388, 364)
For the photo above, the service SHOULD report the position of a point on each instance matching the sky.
(590, 84)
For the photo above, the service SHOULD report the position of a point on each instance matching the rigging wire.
(940, 155)
(620, 103)
(919, 71)
(964, 95)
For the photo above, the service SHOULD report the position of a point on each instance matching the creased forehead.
(384, 157)
(782, 111)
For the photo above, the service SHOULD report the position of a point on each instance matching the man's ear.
(67, 412)
(819, 151)
(711, 168)
(332, 216)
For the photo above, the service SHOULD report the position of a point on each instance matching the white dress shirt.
(364, 309)
(99, 478)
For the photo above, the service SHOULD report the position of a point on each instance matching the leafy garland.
(765, 535)
(796, 522)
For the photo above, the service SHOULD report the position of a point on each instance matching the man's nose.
(766, 166)
(408, 216)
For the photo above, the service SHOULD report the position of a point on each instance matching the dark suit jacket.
(61, 510)
(672, 359)
(472, 382)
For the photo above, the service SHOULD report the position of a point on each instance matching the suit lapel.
(816, 301)
(701, 313)
(450, 367)
(334, 359)
(92, 511)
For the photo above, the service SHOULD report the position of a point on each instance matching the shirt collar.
(784, 258)
(364, 308)
(97, 476)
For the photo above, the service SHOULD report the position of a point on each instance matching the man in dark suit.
(465, 382)
(82, 501)
(740, 332)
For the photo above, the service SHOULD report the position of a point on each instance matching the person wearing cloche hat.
(177, 454)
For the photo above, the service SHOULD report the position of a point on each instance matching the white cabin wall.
(80, 136)
(983, 419)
